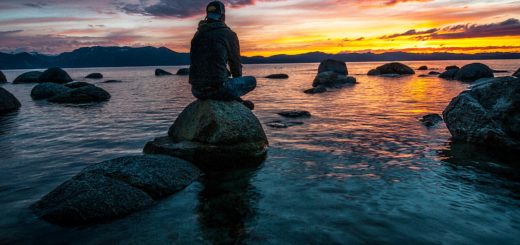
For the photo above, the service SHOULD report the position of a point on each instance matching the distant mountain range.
(151, 56)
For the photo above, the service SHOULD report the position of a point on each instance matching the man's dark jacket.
(213, 47)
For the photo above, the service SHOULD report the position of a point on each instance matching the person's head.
(216, 11)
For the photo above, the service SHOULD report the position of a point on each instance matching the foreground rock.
(517, 73)
(76, 92)
(487, 115)
(2, 77)
(115, 188)
(335, 66)
(94, 76)
(214, 135)
(8, 102)
(473, 72)
(278, 76)
(54, 75)
(161, 72)
(395, 68)
(294, 113)
(28, 77)
(431, 120)
(183, 72)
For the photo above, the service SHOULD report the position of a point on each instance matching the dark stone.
(113, 81)
(517, 73)
(451, 68)
(47, 90)
(94, 76)
(54, 75)
(8, 102)
(422, 68)
(84, 94)
(374, 72)
(449, 74)
(183, 72)
(431, 120)
(335, 66)
(114, 189)
(391, 75)
(214, 135)
(77, 84)
(395, 68)
(333, 80)
(473, 72)
(161, 72)
(278, 76)
(294, 114)
(28, 77)
(316, 90)
(423, 75)
(500, 71)
(488, 114)
(434, 73)
(3, 79)
(282, 124)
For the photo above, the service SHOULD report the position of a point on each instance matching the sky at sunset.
(266, 27)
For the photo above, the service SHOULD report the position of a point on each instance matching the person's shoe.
(249, 104)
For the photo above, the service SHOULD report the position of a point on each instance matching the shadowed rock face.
(214, 134)
(395, 68)
(161, 72)
(335, 66)
(449, 74)
(28, 77)
(114, 188)
(473, 72)
(2, 77)
(8, 102)
(54, 75)
(488, 114)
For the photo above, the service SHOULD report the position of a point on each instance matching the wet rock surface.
(75, 92)
(395, 68)
(54, 75)
(28, 77)
(431, 120)
(47, 90)
(473, 72)
(8, 102)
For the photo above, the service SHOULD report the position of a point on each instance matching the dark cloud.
(411, 32)
(510, 27)
(177, 8)
(6, 33)
(35, 5)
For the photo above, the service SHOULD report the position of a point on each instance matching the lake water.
(362, 169)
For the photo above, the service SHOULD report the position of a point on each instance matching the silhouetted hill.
(151, 56)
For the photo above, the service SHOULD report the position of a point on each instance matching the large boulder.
(54, 75)
(473, 72)
(8, 102)
(115, 188)
(47, 90)
(28, 77)
(488, 114)
(449, 74)
(183, 72)
(83, 94)
(332, 79)
(161, 72)
(335, 66)
(374, 72)
(395, 68)
(96, 75)
(517, 73)
(214, 135)
(2, 77)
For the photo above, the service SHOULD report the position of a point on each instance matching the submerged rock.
(335, 66)
(449, 74)
(54, 75)
(316, 90)
(2, 77)
(47, 90)
(517, 73)
(473, 72)
(28, 77)
(374, 72)
(395, 68)
(434, 73)
(391, 75)
(451, 67)
(94, 76)
(214, 135)
(8, 102)
(422, 68)
(332, 79)
(294, 113)
(183, 72)
(282, 124)
(114, 188)
(431, 119)
(278, 76)
(83, 94)
(488, 114)
(161, 72)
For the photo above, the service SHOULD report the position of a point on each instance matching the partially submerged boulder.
(161, 72)
(374, 72)
(473, 72)
(332, 80)
(76, 84)
(282, 124)
(294, 113)
(431, 120)
(28, 77)
(422, 68)
(96, 75)
(2, 77)
(83, 94)
(278, 76)
(8, 102)
(316, 90)
(487, 115)
(183, 72)
(214, 135)
(113, 81)
(47, 90)
(449, 74)
(114, 188)
(451, 67)
(335, 66)
(395, 68)
(54, 75)
(434, 73)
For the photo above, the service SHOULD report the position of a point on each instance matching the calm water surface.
(362, 169)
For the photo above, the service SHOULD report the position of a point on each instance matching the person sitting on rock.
(213, 48)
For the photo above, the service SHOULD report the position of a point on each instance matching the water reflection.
(227, 203)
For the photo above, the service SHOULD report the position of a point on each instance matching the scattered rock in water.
(422, 68)
(8, 102)
(76, 84)
(433, 73)
(183, 72)
(114, 189)
(335, 66)
(473, 72)
(333, 80)
(294, 114)
(517, 73)
(487, 114)
(161, 72)
(316, 90)
(28, 77)
(395, 68)
(282, 124)
(113, 81)
(374, 72)
(94, 76)
(391, 75)
(451, 67)
(450, 73)
(48, 90)
(54, 75)
(431, 120)
(424, 75)
(278, 76)
(83, 94)
(3, 79)
(214, 135)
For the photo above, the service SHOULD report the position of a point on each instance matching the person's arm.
(234, 56)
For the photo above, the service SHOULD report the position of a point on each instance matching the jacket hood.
(205, 26)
